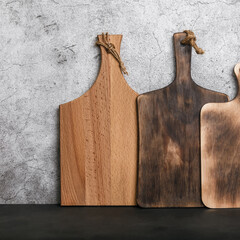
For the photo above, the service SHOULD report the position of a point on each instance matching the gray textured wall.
(48, 57)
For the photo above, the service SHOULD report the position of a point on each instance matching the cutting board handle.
(105, 56)
(110, 69)
(237, 73)
(183, 55)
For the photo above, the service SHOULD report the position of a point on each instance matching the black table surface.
(55, 222)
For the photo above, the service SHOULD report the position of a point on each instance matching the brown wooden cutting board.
(98, 140)
(169, 137)
(220, 152)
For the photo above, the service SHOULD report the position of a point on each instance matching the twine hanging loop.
(191, 40)
(110, 48)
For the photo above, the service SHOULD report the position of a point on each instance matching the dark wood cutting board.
(220, 151)
(98, 139)
(169, 137)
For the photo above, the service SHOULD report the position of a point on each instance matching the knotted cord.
(191, 40)
(110, 48)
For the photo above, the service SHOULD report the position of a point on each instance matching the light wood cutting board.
(98, 140)
(220, 152)
(169, 138)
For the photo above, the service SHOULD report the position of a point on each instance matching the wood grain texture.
(98, 140)
(220, 152)
(169, 138)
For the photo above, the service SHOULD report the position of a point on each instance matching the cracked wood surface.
(169, 144)
(98, 140)
(220, 152)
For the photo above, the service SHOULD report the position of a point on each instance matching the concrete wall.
(48, 56)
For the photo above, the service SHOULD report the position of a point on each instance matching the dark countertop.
(55, 222)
